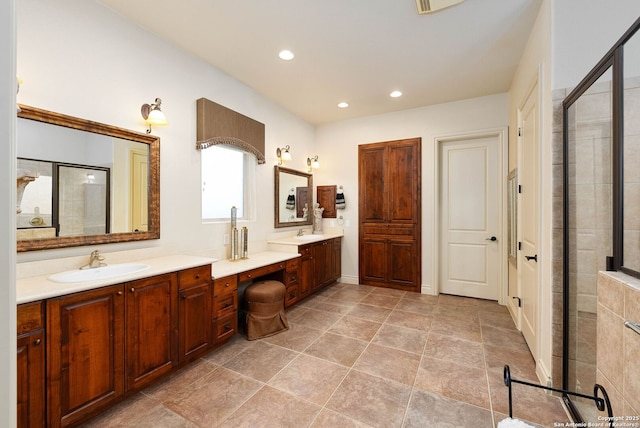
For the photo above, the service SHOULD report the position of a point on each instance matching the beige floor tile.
(319, 320)
(389, 363)
(417, 306)
(332, 307)
(356, 328)
(382, 300)
(297, 338)
(330, 419)
(179, 380)
(261, 362)
(410, 320)
(449, 299)
(497, 319)
(460, 329)
(521, 363)
(213, 398)
(371, 400)
(236, 345)
(369, 312)
(270, 407)
(456, 350)
(337, 349)
(506, 338)
(301, 378)
(432, 410)
(139, 411)
(406, 339)
(462, 383)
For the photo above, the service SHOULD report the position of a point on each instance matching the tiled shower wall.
(618, 346)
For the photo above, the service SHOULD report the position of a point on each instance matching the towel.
(291, 202)
(513, 423)
(340, 202)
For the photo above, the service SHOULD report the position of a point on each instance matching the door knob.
(534, 258)
(493, 238)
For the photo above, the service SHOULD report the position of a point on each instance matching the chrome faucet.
(300, 232)
(95, 260)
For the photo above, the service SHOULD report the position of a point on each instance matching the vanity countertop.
(306, 238)
(40, 287)
(228, 267)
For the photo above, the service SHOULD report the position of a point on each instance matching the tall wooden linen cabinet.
(389, 204)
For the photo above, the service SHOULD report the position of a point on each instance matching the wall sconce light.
(313, 163)
(153, 115)
(283, 154)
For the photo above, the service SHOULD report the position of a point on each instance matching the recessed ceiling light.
(286, 55)
(343, 105)
(395, 94)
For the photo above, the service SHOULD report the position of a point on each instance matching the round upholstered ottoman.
(265, 309)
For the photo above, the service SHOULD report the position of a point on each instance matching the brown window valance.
(217, 124)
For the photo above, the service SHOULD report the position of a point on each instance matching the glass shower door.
(588, 188)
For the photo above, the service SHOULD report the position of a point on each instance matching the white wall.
(583, 32)
(337, 147)
(79, 58)
(7, 215)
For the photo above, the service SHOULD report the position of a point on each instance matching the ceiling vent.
(430, 6)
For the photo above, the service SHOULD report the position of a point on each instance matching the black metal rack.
(601, 403)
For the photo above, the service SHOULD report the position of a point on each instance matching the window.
(228, 179)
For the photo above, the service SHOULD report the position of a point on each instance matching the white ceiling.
(356, 51)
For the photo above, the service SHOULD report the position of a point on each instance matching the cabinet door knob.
(119, 293)
(197, 276)
(37, 342)
(184, 297)
(227, 284)
(133, 290)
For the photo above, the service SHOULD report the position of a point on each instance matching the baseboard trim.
(347, 279)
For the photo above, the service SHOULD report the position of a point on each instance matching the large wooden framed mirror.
(84, 183)
(293, 204)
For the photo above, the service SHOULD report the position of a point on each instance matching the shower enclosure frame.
(613, 61)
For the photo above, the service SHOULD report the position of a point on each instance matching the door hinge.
(519, 132)
(519, 188)
(519, 246)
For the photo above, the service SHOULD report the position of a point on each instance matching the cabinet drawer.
(292, 264)
(194, 276)
(225, 327)
(225, 284)
(291, 295)
(256, 273)
(29, 317)
(304, 250)
(292, 277)
(225, 304)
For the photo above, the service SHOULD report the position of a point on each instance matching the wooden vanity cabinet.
(320, 265)
(151, 329)
(30, 365)
(85, 354)
(291, 282)
(194, 308)
(225, 308)
(337, 259)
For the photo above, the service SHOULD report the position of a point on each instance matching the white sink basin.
(309, 237)
(103, 272)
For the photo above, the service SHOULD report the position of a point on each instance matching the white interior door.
(528, 209)
(471, 217)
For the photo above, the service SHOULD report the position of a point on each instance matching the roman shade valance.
(217, 124)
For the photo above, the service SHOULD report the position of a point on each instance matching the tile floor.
(356, 356)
